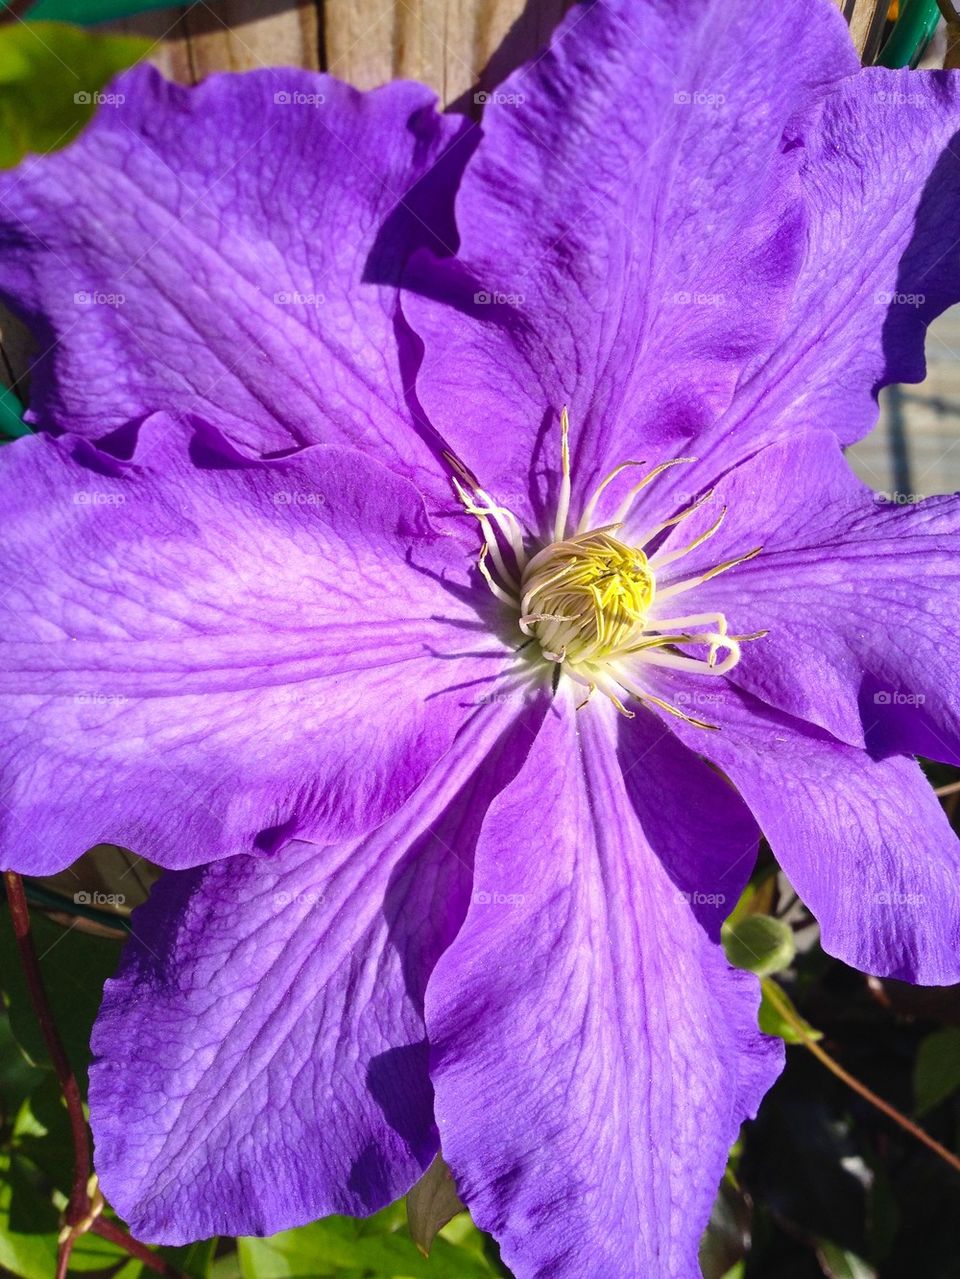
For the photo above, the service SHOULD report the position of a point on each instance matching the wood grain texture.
(866, 19)
(452, 45)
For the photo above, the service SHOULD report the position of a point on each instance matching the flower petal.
(864, 841)
(630, 232)
(262, 1058)
(208, 250)
(207, 655)
(860, 597)
(593, 1054)
(881, 176)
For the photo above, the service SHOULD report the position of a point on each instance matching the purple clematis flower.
(451, 840)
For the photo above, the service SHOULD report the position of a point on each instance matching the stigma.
(593, 600)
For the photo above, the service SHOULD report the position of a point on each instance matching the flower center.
(598, 607)
(584, 597)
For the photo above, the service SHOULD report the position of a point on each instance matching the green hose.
(911, 34)
(86, 13)
(11, 415)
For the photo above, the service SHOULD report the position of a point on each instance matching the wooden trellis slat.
(866, 19)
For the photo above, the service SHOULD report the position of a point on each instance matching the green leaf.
(28, 1237)
(936, 1072)
(30, 1223)
(340, 1248)
(759, 943)
(52, 79)
(74, 965)
(40, 1174)
(727, 1236)
(431, 1204)
(194, 1259)
(777, 1015)
(841, 1263)
(42, 1134)
(18, 1077)
(226, 1266)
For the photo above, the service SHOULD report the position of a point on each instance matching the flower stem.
(110, 1230)
(82, 1211)
(786, 1011)
(78, 1205)
(63, 1257)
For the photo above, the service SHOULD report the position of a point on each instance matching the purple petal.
(860, 598)
(864, 841)
(262, 1054)
(593, 1054)
(208, 250)
(631, 228)
(204, 656)
(881, 177)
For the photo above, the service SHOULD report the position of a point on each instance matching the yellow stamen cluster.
(584, 597)
(592, 602)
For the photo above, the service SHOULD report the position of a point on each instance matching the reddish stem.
(78, 1205)
(785, 1010)
(63, 1258)
(110, 1230)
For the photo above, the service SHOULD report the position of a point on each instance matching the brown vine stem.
(81, 1210)
(109, 1230)
(63, 1258)
(78, 1205)
(786, 1011)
